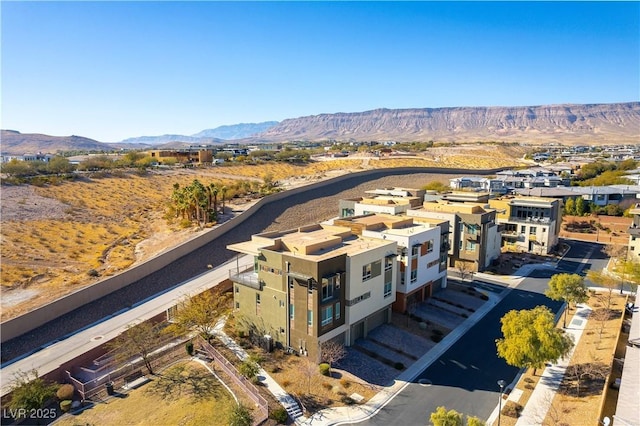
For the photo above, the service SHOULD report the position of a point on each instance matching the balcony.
(247, 279)
(532, 220)
(472, 237)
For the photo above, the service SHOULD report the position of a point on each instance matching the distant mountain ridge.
(16, 143)
(217, 135)
(566, 123)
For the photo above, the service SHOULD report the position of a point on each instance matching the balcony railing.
(248, 279)
(543, 220)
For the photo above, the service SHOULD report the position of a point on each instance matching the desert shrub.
(189, 348)
(324, 369)
(279, 415)
(436, 337)
(65, 405)
(286, 383)
(529, 386)
(512, 409)
(345, 383)
(528, 380)
(242, 334)
(65, 392)
(93, 273)
(398, 366)
(275, 369)
(327, 386)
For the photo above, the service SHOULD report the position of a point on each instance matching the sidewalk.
(541, 398)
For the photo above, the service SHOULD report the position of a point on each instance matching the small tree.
(308, 370)
(531, 338)
(138, 340)
(240, 416)
(567, 287)
(201, 312)
(442, 417)
(581, 208)
(464, 269)
(249, 368)
(606, 281)
(570, 207)
(332, 352)
(30, 392)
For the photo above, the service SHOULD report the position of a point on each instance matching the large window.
(330, 285)
(388, 263)
(337, 310)
(387, 289)
(366, 272)
(309, 317)
(414, 275)
(371, 270)
(327, 315)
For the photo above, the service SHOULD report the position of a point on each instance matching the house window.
(327, 315)
(471, 229)
(387, 289)
(366, 272)
(471, 246)
(237, 305)
(414, 275)
(388, 263)
(328, 285)
(429, 246)
(292, 311)
(532, 230)
(523, 229)
(237, 289)
(257, 298)
(337, 310)
(309, 317)
(414, 251)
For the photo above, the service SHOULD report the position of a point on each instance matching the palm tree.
(223, 191)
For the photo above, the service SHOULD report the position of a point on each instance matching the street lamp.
(502, 384)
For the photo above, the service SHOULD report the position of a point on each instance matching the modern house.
(392, 201)
(474, 237)
(422, 252)
(633, 252)
(530, 224)
(314, 284)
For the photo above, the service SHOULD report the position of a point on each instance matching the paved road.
(465, 377)
(195, 263)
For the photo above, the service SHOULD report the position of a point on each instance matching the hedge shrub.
(324, 369)
(65, 392)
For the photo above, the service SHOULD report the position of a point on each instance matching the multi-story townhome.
(633, 252)
(422, 252)
(477, 183)
(315, 284)
(474, 237)
(530, 224)
(389, 204)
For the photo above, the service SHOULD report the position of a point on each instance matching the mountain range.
(566, 123)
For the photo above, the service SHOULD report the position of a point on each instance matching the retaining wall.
(24, 323)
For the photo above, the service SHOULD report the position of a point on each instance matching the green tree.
(606, 281)
(569, 288)
(29, 391)
(570, 207)
(442, 417)
(60, 165)
(580, 206)
(249, 368)
(530, 338)
(240, 416)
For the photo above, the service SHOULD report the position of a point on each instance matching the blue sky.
(112, 70)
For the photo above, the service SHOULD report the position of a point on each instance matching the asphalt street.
(465, 377)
